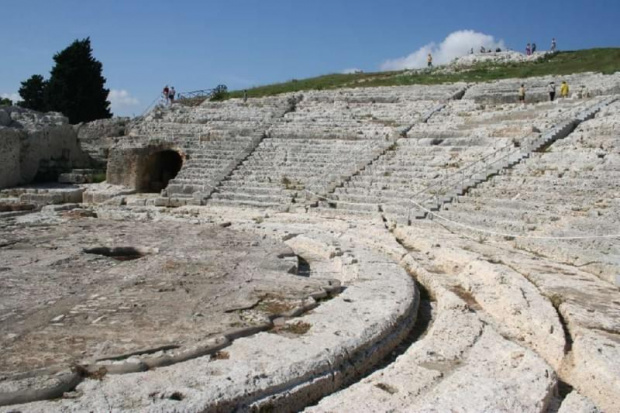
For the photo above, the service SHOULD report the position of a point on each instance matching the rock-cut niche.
(159, 169)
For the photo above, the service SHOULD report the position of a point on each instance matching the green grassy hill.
(562, 63)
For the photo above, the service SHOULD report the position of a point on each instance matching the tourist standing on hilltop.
(522, 94)
(533, 48)
(553, 45)
(429, 60)
(166, 94)
(564, 90)
(528, 49)
(171, 95)
(552, 91)
(583, 93)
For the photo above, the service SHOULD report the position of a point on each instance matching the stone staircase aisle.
(214, 139)
(499, 162)
(563, 202)
(427, 166)
(208, 164)
(326, 140)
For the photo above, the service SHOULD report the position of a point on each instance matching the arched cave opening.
(160, 168)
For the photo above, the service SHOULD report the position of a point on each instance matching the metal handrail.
(152, 105)
(195, 94)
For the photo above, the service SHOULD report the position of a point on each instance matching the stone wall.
(9, 157)
(36, 146)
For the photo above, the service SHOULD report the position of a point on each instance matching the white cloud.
(457, 44)
(351, 70)
(121, 100)
(13, 96)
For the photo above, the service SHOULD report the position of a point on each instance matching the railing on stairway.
(161, 100)
(202, 93)
(440, 187)
(381, 151)
(493, 163)
(155, 102)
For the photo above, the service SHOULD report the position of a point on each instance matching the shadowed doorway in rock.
(160, 168)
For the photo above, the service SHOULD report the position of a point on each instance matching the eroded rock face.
(493, 57)
(97, 137)
(21, 118)
(37, 146)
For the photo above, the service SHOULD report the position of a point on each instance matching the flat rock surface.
(89, 288)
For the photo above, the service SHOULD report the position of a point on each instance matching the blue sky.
(241, 43)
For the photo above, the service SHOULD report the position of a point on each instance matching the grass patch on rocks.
(604, 60)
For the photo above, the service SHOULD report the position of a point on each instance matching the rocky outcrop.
(97, 137)
(36, 146)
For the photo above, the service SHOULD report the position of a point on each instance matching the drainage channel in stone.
(423, 323)
(562, 390)
(118, 253)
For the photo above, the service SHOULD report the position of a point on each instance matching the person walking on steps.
(552, 91)
(522, 94)
(429, 60)
(166, 94)
(564, 90)
(171, 95)
(553, 45)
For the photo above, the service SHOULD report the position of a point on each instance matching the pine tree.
(33, 93)
(76, 85)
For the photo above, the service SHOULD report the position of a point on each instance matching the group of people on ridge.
(564, 91)
(530, 49)
(168, 94)
(484, 50)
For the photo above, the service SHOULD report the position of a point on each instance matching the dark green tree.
(76, 85)
(220, 92)
(33, 93)
(6, 102)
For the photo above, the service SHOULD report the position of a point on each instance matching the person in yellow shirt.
(564, 89)
(522, 94)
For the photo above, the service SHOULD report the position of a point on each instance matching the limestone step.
(254, 204)
(527, 216)
(264, 190)
(238, 196)
(342, 212)
(349, 206)
(375, 198)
